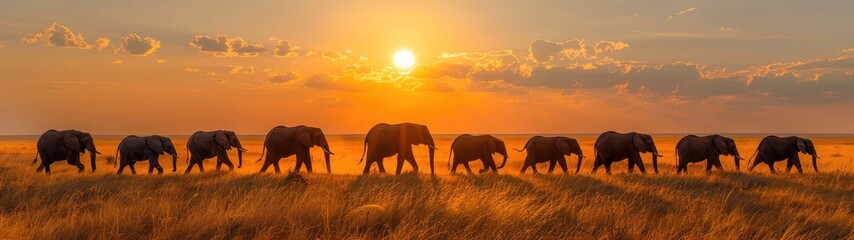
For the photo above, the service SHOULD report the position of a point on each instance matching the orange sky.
(481, 66)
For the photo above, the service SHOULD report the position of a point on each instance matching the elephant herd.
(387, 140)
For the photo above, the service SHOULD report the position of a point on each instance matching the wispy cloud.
(683, 12)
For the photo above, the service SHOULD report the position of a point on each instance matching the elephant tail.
(364, 150)
(757, 149)
(451, 151)
(526, 144)
(264, 146)
(117, 152)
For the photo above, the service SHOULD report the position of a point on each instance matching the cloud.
(543, 51)
(683, 12)
(358, 68)
(117, 61)
(284, 77)
(135, 45)
(283, 49)
(58, 35)
(849, 50)
(223, 46)
(237, 69)
(609, 46)
(347, 82)
(440, 70)
(191, 69)
(161, 61)
(102, 43)
(333, 55)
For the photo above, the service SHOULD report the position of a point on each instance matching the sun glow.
(404, 59)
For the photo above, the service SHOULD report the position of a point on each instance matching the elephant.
(204, 145)
(64, 145)
(386, 140)
(466, 148)
(282, 142)
(773, 149)
(134, 149)
(614, 147)
(693, 148)
(550, 149)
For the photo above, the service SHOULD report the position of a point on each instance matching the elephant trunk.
(328, 167)
(92, 153)
(174, 162)
(655, 162)
(578, 167)
(240, 157)
(92, 159)
(432, 151)
(814, 165)
(503, 162)
(737, 159)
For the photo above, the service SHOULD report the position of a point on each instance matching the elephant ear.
(562, 145)
(72, 141)
(155, 144)
(492, 144)
(639, 143)
(303, 136)
(720, 144)
(802, 146)
(222, 140)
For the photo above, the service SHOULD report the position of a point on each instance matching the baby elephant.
(466, 148)
(551, 149)
(134, 149)
(693, 148)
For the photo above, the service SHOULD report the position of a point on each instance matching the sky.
(175, 67)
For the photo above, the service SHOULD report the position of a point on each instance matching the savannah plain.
(247, 205)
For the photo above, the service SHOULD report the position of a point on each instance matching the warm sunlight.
(404, 59)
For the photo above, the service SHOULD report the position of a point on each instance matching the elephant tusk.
(242, 150)
(96, 152)
(327, 151)
(658, 155)
(582, 156)
(434, 148)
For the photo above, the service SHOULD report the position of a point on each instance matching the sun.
(404, 59)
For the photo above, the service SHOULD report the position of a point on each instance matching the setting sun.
(404, 59)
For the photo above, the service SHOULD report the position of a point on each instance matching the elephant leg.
(796, 161)
(150, 168)
(552, 165)
(229, 165)
(201, 164)
(527, 163)
(468, 169)
(121, 169)
(218, 163)
(455, 164)
(367, 167)
(380, 165)
(154, 162)
(718, 165)
(596, 164)
(534, 168)
(771, 167)
(709, 167)
(562, 162)
(46, 168)
(411, 159)
(193, 161)
(132, 169)
(607, 166)
(789, 165)
(756, 162)
(307, 161)
(631, 165)
(276, 167)
(400, 159)
(638, 161)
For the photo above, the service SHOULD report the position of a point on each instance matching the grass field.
(244, 205)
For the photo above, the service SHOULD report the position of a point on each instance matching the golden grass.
(221, 205)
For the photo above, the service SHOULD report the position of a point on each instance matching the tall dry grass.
(241, 205)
